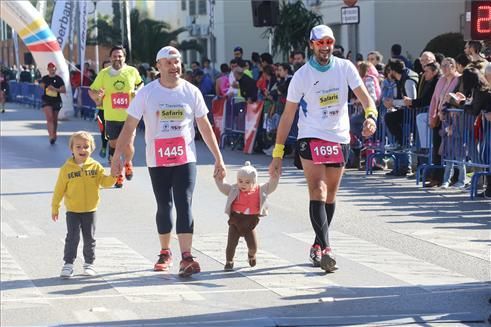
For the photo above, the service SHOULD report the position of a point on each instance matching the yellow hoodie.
(80, 186)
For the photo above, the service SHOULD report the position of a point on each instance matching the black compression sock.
(318, 218)
(330, 208)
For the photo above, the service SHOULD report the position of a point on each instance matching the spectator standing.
(446, 84)
(298, 60)
(406, 86)
(376, 59)
(396, 53)
(473, 50)
(222, 84)
(247, 85)
(203, 82)
(238, 53)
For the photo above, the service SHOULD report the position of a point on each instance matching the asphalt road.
(406, 256)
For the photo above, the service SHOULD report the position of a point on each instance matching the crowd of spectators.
(433, 82)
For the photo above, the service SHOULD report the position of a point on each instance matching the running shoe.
(328, 263)
(164, 262)
(188, 265)
(67, 271)
(119, 182)
(128, 171)
(89, 269)
(52, 141)
(229, 266)
(315, 255)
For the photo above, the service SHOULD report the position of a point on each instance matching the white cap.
(168, 52)
(321, 31)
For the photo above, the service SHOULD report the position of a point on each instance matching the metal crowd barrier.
(87, 106)
(381, 142)
(235, 112)
(384, 145)
(481, 154)
(466, 142)
(26, 93)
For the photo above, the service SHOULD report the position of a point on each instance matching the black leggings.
(174, 184)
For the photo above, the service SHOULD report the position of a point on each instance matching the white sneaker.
(89, 270)
(67, 271)
(445, 185)
(459, 185)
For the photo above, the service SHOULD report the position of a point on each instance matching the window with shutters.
(192, 7)
(201, 7)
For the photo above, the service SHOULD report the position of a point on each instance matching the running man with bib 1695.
(319, 89)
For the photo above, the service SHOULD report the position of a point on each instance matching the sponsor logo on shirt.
(172, 114)
(329, 99)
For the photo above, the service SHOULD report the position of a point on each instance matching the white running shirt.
(168, 113)
(323, 100)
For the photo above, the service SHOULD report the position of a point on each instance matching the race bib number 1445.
(170, 152)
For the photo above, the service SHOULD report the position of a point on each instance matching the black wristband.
(371, 117)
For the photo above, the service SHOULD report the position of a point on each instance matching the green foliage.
(292, 32)
(106, 33)
(450, 44)
(148, 36)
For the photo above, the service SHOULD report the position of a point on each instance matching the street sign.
(350, 15)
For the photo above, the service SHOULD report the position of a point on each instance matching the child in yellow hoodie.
(78, 182)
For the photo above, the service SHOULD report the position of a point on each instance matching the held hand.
(116, 166)
(369, 127)
(220, 171)
(275, 168)
(101, 93)
(54, 216)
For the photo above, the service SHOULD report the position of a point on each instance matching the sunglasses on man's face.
(323, 42)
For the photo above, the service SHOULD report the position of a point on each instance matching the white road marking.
(30, 228)
(131, 275)
(6, 205)
(395, 264)
(271, 272)
(475, 243)
(7, 230)
(15, 285)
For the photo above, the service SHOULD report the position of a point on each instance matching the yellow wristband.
(371, 111)
(278, 151)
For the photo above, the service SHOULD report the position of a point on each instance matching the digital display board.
(480, 24)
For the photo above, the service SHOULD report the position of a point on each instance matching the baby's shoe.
(252, 261)
(229, 265)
